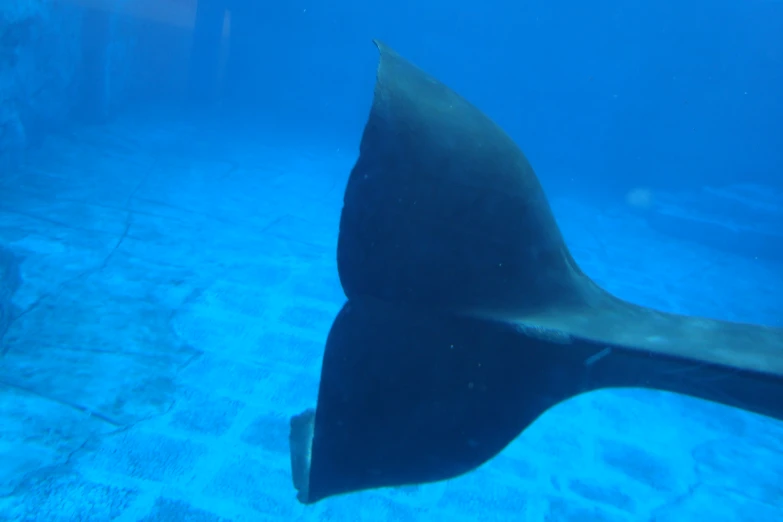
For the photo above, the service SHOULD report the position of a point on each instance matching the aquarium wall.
(39, 60)
(603, 96)
(612, 98)
(83, 62)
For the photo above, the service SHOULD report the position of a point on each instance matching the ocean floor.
(177, 285)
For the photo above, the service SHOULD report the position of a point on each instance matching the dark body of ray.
(467, 317)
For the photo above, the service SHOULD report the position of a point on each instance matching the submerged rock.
(9, 282)
(742, 219)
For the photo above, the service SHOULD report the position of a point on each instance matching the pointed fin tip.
(384, 49)
(300, 440)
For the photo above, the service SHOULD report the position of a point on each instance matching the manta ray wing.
(467, 317)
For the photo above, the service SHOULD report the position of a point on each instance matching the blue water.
(169, 204)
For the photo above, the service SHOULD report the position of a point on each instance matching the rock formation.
(9, 282)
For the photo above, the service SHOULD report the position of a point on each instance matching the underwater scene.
(401, 261)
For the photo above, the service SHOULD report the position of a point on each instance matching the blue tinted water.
(169, 201)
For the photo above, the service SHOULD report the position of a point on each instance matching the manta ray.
(467, 317)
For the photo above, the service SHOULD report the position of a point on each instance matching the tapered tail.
(410, 395)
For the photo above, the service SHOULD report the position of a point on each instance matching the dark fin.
(410, 396)
(467, 316)
(442, 209)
